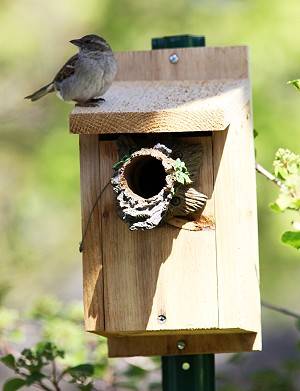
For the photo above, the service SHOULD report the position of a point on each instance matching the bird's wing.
(67, 70)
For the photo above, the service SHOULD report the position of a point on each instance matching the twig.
(90, 217)
(43, 386)
(268, 175)
(281, 310)
(61, 376)
(54, 376)
(39, 384)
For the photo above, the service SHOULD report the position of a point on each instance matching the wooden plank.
(167, 345)
(92, 257)
(236, 225)
(192, 95)
(198, 63)
(165, 271)
(160, 106)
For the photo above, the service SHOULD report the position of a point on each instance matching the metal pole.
(193, 372)
(188, 373)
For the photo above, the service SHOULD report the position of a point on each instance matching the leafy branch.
(38, 367)
(287, 177)
(181, 172)
(268, 175)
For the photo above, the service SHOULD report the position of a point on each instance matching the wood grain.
(160, 106)
(167, 345)
(92, 257)
(150, 273)
(192, 95)
(206, 283)
(236, 225)
(205, 63)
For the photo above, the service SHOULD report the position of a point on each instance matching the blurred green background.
(39, 180)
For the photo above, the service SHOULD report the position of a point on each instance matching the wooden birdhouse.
(170, 251)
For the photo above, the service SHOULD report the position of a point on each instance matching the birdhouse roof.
(199, 93)
(163, 106)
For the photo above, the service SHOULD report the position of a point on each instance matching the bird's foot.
(94, 102)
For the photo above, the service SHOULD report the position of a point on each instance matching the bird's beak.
(76, 42)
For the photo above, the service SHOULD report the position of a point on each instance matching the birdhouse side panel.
(92, 257)
(236, 225)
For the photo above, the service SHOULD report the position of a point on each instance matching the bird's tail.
(41, 92)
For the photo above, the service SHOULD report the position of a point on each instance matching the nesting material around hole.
(149, 190)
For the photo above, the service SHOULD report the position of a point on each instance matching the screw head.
(175, 201)
(173, 58)
(185, 366)
(162, 318)
(181, 345)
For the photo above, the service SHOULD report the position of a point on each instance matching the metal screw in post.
(181, 345)
(173, 58)
(161, 318)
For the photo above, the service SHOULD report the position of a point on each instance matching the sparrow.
(86, 76)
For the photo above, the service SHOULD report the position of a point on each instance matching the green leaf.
(177, 164)
(14, 384)
(291, 238)
(282, 172)
(180, 179)
(186, 178)
(255, 133)
(181, 172)
(295, 83)
(9, 361)
(275, 207)
(81, 370)
(48, 350)
(286, 163)
(34, 377)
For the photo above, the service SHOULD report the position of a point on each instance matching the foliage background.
(39, 176)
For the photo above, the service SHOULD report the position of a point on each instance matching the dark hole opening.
(145, 176)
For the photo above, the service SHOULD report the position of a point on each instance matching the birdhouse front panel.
(169, 197)
(148, 274)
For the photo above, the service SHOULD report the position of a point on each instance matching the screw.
(173, 58)
(175, 201)
(180, 345)
(161, 318)
(186, 366)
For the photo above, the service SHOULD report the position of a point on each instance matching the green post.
(193, 372)
(188, 373)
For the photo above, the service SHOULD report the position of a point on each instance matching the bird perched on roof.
(86, 76)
